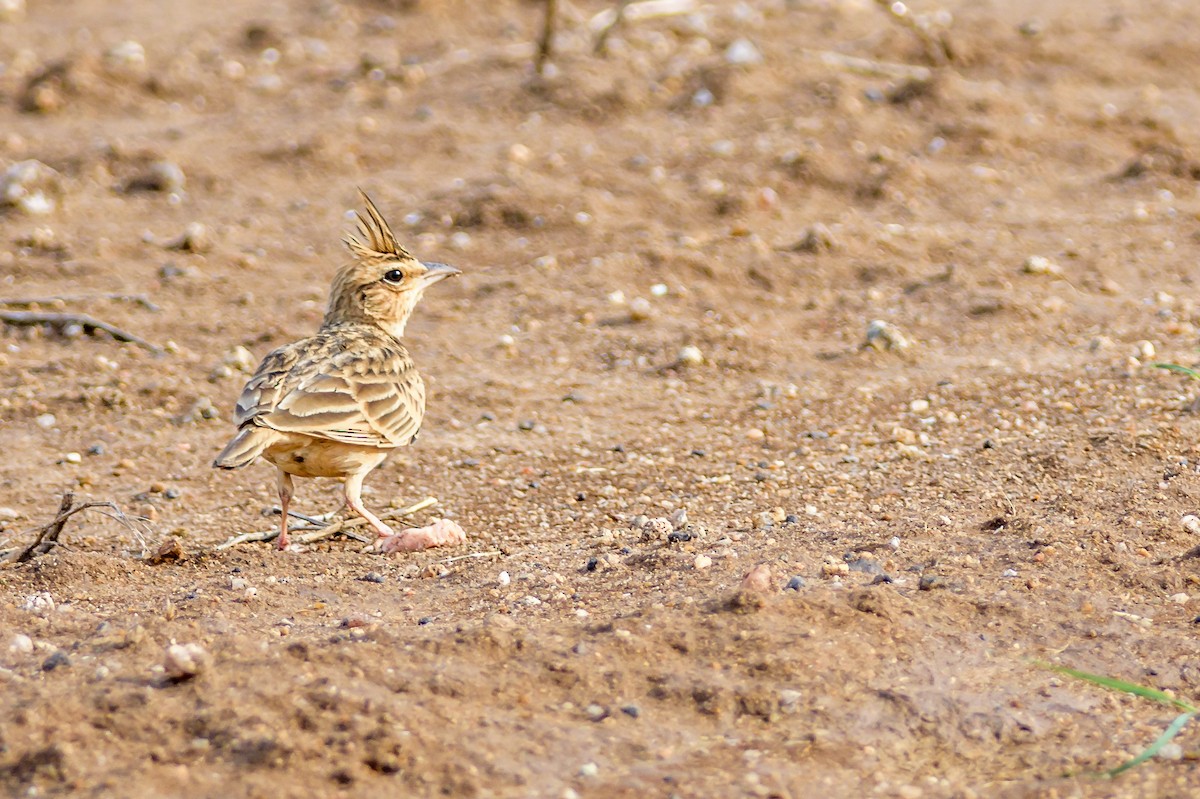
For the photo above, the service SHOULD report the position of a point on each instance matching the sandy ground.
(1007, 489)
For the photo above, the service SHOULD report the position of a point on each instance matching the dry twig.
(139, 299)
(601, 46)
(61, 321)
(546, 43)
(308, 535)
(934, 41)
(47, 537)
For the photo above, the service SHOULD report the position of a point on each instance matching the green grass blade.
(1174, 367)
(1125, 687)
(1152, 750)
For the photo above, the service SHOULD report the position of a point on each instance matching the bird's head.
(383, 283)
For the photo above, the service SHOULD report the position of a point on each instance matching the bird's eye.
(393, 276)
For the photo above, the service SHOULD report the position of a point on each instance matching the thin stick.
(140, 299)
(935, 44)
(546, 43)
(601, 46)
(61, 320)
(47, 537)
(866, 66)
(491, 554)
(309, 535)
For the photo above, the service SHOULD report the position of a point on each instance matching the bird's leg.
(354, 500)
(285, 497)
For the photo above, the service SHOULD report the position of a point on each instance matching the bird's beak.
(436, 272)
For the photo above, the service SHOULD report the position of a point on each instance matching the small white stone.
(128, 57)
(1180, 598)
(1191, 524)
(519, 154)
(659, 289)
(690, 356)
(1041, 265)
(1145, 350)
(73, 457)
(702, 562)
(919, 405)
(40, 603)
(743, 52)
(589, 770)
(46, 421)
(185, 660)
(1170, 751)
(237, 583)
(460, 240)
(639, 309)
(21, 644)
(531, 601)
(8, 514)
(882, 335)
(504, 579)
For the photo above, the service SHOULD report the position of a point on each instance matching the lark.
(338, 403)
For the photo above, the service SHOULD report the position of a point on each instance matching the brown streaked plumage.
(336, 404)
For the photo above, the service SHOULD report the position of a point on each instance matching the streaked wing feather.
(374, 398)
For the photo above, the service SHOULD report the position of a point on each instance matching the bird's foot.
(443, 532)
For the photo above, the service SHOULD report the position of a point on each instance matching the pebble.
(865, 565)
(930, 582)
(372, 577)
(919, 405)
(795, 584)
(1180, 598)
(759, 579)
(1170, 751)
(531, 601)
(883, 335)
(743, 52)
(184, 661)
(639, 309)
(702, 562)
(29, 186)
(1041, 265)
(1144, 350)
(73, 457)
(40, 603)
(815, 238)
(690, 356)
(127, 57)
(1010, 573)
(659, 289)
(21, 644)
(196, 237)
(46, 421)
(57, 659)
(1190, 523)
(589, 770)
(658, 528)
(9, 514)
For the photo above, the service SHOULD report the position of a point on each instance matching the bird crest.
(377, 239)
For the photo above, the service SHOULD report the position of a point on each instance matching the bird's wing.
(366, 395)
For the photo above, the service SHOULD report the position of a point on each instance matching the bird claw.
(443, 532)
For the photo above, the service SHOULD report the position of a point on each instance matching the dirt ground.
(1009, 488)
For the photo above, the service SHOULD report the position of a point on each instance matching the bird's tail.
(247, 445)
